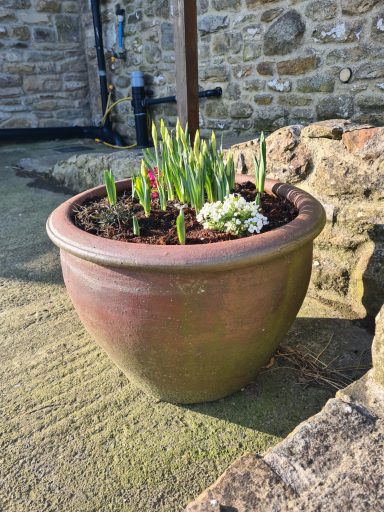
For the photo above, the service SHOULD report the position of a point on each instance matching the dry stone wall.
(342, 164)
(278, 62)
(43, 70)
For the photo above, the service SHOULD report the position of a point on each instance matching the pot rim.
(216, 256)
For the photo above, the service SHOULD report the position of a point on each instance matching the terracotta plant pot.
(189, 323)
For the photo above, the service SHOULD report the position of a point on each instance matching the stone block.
(44, 35)
(41, 84)
(347, 55)
(265, 68)
(226, 5)
(48, 5)
(9, 81)
(333, 107)
(152, 53)
(270, 14)
(21, 33)
(377, 29)
(370, 102)
(355, 140)
(70, 7)
(370, 70)
(212, 23)
(294, 100)
(215, 73)
(339, 31)
(316, 83)
(263, 99)
(321, 10)
(279, 85)
(16, 4)
(285, 34)
(68, 28)
(378, 349)
(7, 14)
(241, 110)
(251, 51)
(297, 66)
(356, 7)
(167, 36)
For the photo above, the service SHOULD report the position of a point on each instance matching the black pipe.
(104, 133)
(210, 93)
(102, 71)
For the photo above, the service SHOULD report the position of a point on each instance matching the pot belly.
(193, 336)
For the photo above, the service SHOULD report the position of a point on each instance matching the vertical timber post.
(187, 89)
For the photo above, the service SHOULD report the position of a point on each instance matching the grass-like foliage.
(110, 185)
(191, 174)
(260, 168)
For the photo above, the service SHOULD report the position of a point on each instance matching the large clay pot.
(189, 323)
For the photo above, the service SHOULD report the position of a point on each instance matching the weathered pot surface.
(189, 323)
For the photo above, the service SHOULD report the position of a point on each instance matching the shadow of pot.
(189, 323)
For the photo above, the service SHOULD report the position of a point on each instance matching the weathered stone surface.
(279, 85)
(332, 107)
(48, 5)
(294, 100)
(224, 5)
(212, 23)
(332, 461)
(370, 70)
(241, 110)
(284, 34)
(378, 27)
(167, 36)
(67, 27)
(355, 140)
(251, 51)
(370, 102)
(152, 53)
(271, 14)
(85, 170)
(263, 99)
(320, 10)
(297, 66)
(265, 68)
(378, 349)
(44, 35)
(238, 488)
(343, 32)
(215, 73)
(317, 83)
(345, 169)
(353, 7)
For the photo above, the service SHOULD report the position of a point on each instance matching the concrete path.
(75, 436)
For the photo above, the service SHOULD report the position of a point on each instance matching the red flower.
(152, 180)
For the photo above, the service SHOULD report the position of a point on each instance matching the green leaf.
(135, 226)
(110, 186)
(180, 227)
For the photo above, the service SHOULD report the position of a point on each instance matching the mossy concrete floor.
(75, 435)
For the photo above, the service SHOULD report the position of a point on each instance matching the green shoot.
(110, 185)
(136, 227)
(142, 189)
(180, 227)
(260, 169)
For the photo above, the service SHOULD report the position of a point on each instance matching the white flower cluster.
(233, 215)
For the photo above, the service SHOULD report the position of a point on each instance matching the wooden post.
(187, 89)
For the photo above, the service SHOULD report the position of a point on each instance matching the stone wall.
(278, 62)
(342, 165)
(43, 71)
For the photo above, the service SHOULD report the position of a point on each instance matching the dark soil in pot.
(96, 217)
